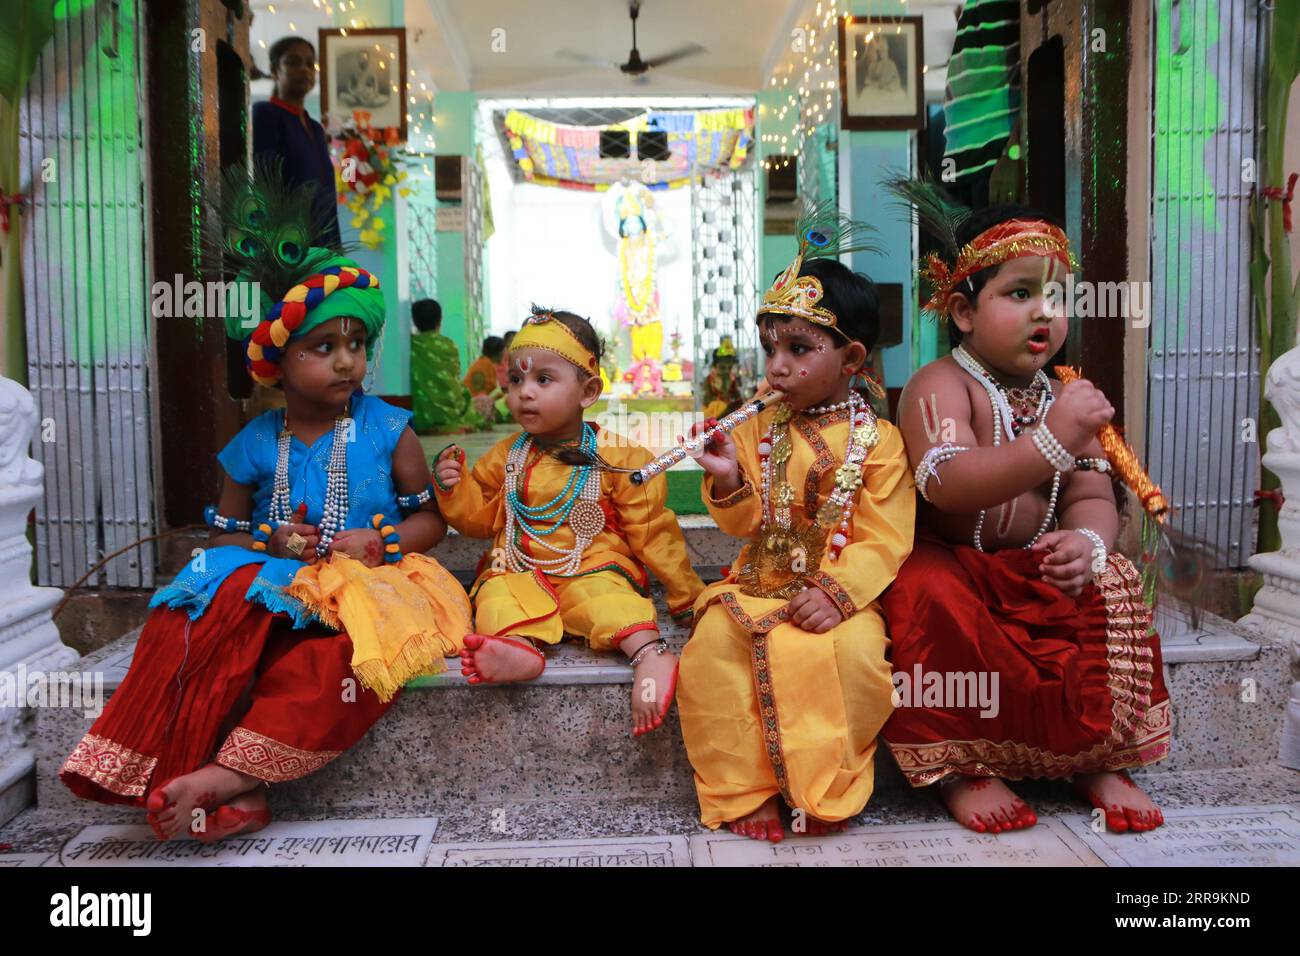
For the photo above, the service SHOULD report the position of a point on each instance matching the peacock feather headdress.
(274, 237)
(823, 232)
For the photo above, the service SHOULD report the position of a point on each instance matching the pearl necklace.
(336, 484)
(578, 504)
(1002, 414)
(827, 409)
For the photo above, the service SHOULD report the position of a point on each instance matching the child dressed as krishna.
(283, 642)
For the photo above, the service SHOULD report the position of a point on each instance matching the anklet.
(660, 647)
(222, 523)
(392, 550)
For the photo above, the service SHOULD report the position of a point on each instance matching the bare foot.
(1126, 806)
(763, 824)
(246, 813)
(171, 807)
(816, 827)
(500, 660)
(654, 682)
(985, 804)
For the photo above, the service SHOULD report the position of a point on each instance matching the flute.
(693, 445)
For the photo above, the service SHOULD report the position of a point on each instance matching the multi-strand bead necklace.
(336, 484)
(1014, 422)
(578, 505)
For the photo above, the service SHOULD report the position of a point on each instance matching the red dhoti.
(176, 706)
(1076, 682)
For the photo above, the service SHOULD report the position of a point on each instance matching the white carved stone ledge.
(1277, 605)
(29, 641)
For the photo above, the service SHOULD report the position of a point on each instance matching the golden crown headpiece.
(823, 233)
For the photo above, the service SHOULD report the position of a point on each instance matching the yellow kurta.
(767, 708)
(609, 596)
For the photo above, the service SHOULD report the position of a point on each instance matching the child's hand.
(1077, 415)
(814, 611)
(277, 546)
(718, 456)
(364, 544)
(1065, 560)
(448, 467)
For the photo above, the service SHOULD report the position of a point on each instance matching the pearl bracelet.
(933, 458)
(415, 501)
(1098, 549)
(222, 523)
(1051, 449)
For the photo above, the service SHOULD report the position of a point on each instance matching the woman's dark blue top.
(278, 131)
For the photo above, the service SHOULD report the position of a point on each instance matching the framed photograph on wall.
(880, 73)
(365, 70)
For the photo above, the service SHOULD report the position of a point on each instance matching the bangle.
(1098, 549)
(415, 501)
(261, 536)
(459, 456)
(933, 458)
(1051, 449)
(392, 550)
(660, 647)
(1099, 465)
(222, 523)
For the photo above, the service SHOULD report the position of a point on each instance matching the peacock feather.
(931, 208)
(824, 232)
(271, 230)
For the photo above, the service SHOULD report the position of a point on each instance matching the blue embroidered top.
(250, 460)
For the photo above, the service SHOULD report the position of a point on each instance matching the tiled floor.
(1242, 817)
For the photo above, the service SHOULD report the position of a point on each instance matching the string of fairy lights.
(809, 75)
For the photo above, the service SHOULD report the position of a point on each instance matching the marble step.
(565, 736)
(1238, 817)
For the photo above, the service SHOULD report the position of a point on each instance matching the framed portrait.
(880, 73)
(365, 71)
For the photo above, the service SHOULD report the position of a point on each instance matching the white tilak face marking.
(525, 363)
(302, 356)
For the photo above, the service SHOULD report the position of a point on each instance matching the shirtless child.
(1011, 577)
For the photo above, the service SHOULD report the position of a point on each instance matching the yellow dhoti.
(784, 713)
(648, 341)
(603, 607)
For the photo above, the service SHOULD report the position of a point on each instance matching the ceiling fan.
(635, 67)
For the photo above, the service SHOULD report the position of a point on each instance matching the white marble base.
(1213, 640)
(1222, 836)
(630, 851)
(948, 844)
(305, 843)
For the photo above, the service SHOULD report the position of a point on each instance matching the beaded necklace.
(1004, 418)
(578, 504)
(336, 484)
(776, 567)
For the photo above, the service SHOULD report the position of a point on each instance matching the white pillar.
(29, 642)
(1277, 605)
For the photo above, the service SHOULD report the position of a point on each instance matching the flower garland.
(638, 297)
(374, 169)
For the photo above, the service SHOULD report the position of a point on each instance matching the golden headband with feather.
(823, 233)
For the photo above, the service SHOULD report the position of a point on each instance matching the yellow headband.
(544, 331)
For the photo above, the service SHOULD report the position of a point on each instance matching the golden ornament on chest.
(777, 565)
